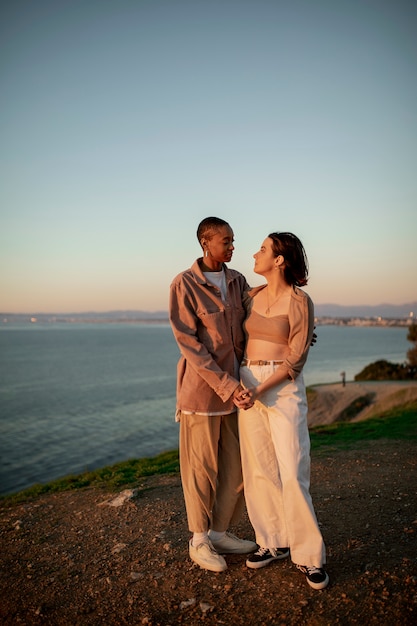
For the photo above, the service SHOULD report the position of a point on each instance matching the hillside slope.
(357, 400)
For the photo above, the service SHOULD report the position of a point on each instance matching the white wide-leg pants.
(275, 450)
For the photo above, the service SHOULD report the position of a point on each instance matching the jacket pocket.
(212, 328)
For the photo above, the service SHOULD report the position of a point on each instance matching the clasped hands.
(244, 398)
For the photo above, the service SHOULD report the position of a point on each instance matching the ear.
(279, 261)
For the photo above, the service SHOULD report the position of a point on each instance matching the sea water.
(76, 397)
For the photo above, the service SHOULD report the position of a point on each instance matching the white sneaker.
(230, 544)
(206, 557)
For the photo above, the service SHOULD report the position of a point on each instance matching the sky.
(124, 123)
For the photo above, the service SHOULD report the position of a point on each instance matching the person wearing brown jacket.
(206, 316)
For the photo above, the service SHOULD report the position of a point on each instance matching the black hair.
(208, 226)
(296, 263)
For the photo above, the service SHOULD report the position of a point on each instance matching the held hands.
(244, 398)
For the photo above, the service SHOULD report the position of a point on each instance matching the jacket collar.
(199, 275)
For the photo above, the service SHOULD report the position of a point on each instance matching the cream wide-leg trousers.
(275, 450)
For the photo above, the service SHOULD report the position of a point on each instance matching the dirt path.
(74, 559)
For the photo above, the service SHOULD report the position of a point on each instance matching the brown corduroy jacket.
(209, 334)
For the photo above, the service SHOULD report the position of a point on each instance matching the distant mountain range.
(396, 311)
(390, 311)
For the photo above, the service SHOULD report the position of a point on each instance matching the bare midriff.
(267, 337)
(258, 349)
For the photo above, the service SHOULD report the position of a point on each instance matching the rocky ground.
(92, 558)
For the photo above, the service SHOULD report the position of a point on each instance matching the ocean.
(76, 397)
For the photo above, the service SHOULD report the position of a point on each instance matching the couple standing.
(245, 348)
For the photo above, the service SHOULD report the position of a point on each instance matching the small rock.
(186, 603)
(118, 548)
(119, 500)
(205, 607)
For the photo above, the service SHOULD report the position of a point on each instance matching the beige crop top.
(275, 329)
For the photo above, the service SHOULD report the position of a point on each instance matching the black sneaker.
(265, 556)
(316, 576)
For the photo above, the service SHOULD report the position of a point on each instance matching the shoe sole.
(210, 568)
(259, 564)
(237, 551)
(319, 586)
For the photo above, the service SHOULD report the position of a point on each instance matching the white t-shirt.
(219, 280)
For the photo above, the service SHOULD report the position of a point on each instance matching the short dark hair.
(208, 226)
(296, 263)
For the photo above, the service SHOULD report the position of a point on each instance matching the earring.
(206, 253)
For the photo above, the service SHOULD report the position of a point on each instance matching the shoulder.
(301, 303)
(181, 276)
(252, 292)
(300, 295)
(192, 274)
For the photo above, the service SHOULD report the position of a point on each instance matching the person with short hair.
(206, 315)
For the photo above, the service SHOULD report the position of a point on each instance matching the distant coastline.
(364, 321)
(140, 317)
(384, 314)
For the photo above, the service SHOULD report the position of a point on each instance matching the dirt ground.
(90, 558)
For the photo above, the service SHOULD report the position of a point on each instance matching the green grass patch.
(112, 477)
(399, 423)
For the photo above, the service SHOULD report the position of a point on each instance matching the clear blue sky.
(123, 123)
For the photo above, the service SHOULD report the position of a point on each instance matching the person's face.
(220, 247)
(265, 261)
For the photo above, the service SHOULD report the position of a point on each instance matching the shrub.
(384, 370)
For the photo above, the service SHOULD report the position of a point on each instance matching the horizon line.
(34, 312)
